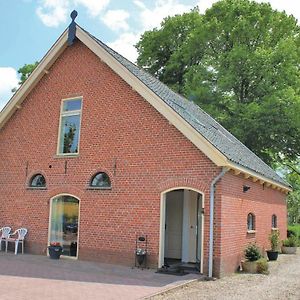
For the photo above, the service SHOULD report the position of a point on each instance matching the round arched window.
(274, 221)
(100, 180)
(37, 181)
(251, 222)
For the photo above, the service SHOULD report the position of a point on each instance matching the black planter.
(55, 252)
(140, 258)
(272, 255)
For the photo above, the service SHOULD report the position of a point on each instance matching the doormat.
(171, 272)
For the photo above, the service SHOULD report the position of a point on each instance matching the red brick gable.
(119, 128)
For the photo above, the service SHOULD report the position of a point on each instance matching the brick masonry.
(119, 128)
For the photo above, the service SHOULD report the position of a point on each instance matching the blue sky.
(28, 28)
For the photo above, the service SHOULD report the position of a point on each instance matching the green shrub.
(274, 240)
(292, 241)
(262, 266)
(252, 253)
(291, 232)
(294, 230)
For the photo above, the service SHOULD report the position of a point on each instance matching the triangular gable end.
(172, 116)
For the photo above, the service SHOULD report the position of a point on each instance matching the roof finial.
(73, 15)
(72, 28)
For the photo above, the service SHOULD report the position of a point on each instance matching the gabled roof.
(205, 132)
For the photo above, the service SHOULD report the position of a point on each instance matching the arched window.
(274, 221)
(100, 180)
(37, 181)
(251, 221)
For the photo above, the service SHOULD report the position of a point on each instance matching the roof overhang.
(173, 117)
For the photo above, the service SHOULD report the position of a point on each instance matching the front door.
(64, 224)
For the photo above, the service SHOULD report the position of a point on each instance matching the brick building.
(95, 152)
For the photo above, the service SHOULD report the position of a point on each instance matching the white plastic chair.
(21, 232)
(5, 231)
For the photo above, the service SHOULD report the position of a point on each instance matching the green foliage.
(291, 171)
(252, 252)
(240, 62)
(274, 240)
(295, 229)
(26, 70)
(263, 266)
(291, 241)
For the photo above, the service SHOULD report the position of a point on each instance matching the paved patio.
(38, 277)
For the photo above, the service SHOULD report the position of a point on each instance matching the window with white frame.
(250, 222)
(69, 131)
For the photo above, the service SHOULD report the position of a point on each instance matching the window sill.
(36, 188)
(275, 229)
(66, 155)
(251, 231)
(98, 188)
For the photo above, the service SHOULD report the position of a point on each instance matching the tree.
(240, 62)
(293, 200)
(25, 71)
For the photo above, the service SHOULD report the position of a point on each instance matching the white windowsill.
(251, 231)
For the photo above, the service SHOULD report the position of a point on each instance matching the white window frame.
(276, 220)
(67, 114)
(252, 228)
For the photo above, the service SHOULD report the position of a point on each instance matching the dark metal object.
(141, 252)
(72, 28)
(115, 166)
(26, 170)
(245, 188)
(66, 166)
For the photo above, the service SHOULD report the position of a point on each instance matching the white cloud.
(125, 45)
(8, 80)
(205, 4)
(94, 7)
(116, 19)
(151, 17)
(148, 18)
(291, 7)
(53, 12)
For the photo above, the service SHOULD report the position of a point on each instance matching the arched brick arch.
(185, 182)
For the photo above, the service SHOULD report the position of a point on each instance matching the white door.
(193, 227)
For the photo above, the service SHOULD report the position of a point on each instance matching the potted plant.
(55, 250)
(289, 246)
(274, 240)
(252, 255)
(140, 255)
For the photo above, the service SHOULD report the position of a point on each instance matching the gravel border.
(283, 282)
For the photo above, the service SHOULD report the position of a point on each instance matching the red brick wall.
(263, 202)
(118, 126)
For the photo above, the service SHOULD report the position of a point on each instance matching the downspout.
(211, 219)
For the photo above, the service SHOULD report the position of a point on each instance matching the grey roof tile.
(207, 126)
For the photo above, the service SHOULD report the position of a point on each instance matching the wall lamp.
(246, 188)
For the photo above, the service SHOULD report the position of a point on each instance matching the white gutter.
(211, 220)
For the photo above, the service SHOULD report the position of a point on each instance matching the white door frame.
(50, 217)
(161, 254)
